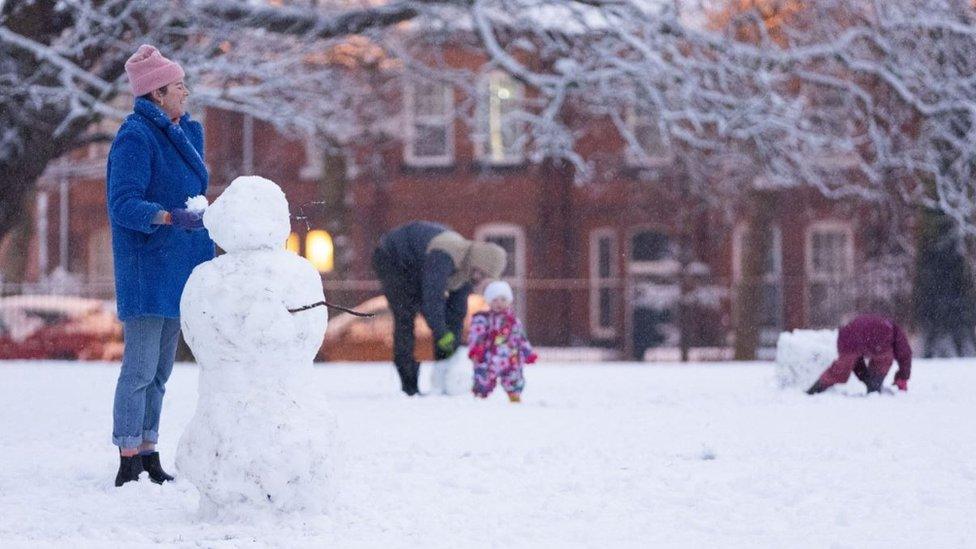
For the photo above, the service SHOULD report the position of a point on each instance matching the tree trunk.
(755, 245)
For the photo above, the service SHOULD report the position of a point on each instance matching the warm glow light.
(292, 243)
(319, 250)
(504, 93)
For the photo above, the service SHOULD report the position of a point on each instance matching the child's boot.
(514, 397)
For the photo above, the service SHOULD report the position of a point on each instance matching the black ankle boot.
(151, 465)
(129, 469)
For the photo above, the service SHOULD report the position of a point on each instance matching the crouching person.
(867, 346)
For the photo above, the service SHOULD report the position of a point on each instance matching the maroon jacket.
(869, 335)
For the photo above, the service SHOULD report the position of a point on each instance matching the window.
(500, 139)
(826, 111)
(429, 108)
(512, 239)
(830, 262)
(293, 244)
(650, 246)
(314, 167)
(771, 282)
(648, 145)
(603, 283)
(232, 155)
(320, 250)
(652, 253)
(830, 115)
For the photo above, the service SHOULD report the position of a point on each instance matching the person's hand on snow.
(902, 384)
(446, 345)
(186, 219)
(531, 358)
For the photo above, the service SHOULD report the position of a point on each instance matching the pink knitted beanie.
(148, 70)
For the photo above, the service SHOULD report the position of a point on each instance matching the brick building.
(604, 263)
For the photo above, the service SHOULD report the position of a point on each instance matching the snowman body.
(259, 439)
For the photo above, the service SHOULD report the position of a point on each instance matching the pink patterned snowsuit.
(498, 347)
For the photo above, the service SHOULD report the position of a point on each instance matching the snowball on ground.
(453, 375)
(802, 355)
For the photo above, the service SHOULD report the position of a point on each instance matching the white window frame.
(775, 277)
(314, 167)
(488, 141)
(641, 158)
(483, 232)
(411, 119)
(598, 283)
(812, 276)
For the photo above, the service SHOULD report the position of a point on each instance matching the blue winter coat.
(154, 165)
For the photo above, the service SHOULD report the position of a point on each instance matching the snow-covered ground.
(598, 455)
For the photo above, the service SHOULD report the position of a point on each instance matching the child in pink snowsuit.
(498, 345)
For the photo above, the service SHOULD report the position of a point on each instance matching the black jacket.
(425, 275)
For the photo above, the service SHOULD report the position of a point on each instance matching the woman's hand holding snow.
(185, 219)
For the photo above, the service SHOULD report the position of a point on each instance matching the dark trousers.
(404, 301)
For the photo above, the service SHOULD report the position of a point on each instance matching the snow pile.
(802, 355)
(452, 376)
(197, 204)
(258, 441)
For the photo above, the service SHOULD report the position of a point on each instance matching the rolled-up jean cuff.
(152, 437)
(127, 442)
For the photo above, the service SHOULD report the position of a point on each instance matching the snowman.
(258, 440)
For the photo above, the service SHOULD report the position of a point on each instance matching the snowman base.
(453, 375)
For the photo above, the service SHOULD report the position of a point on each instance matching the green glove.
(446, 343)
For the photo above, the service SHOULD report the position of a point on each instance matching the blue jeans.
(150, 349)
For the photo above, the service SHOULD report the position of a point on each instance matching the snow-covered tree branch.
(865, 99)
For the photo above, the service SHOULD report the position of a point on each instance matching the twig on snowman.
(302, 216)
(331, 306)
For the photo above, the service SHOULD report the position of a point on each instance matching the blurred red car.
(59, 327)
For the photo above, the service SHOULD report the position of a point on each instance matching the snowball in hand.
(259, 441)
(197, 204)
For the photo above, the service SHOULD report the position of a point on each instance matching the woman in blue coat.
(154, 166)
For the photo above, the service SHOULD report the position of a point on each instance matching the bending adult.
(867, 346)
(425, 267)
(154, 166)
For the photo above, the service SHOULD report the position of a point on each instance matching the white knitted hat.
(498, 288)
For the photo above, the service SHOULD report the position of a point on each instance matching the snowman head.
(251, 214)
